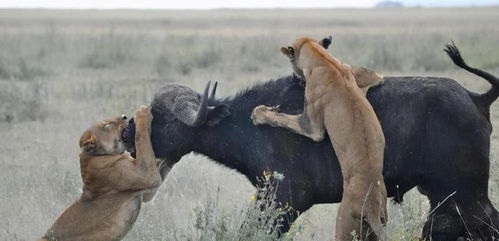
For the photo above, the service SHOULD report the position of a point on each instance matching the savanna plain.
(62, 70)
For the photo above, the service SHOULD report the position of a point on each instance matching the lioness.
(334, 102)
(115, 184)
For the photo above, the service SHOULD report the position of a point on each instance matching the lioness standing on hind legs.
(334, 102)
(115, 183)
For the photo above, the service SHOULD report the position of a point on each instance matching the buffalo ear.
(217, 114)
(325, 42)
(284, 51)
(88, 141)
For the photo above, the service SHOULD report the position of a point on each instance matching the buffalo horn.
(213, 91)
(199, 116)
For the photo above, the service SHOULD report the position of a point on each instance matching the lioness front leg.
(146, 173)
(143, 144)
(299, 124)
(141, 173)
(164, 167)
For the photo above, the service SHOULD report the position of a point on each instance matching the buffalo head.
(178, 110)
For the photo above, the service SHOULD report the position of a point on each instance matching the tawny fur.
(115, 184)
(335, 102)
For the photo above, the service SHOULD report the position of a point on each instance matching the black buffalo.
(437, 138)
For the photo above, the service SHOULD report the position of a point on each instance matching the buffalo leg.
(443, 223)
(476, 220)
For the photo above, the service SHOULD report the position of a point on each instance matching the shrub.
(259, 222)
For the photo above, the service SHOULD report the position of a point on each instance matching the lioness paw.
(260, 113)
(143, 111)
(143, 115)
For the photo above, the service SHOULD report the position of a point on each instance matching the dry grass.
(62, 70)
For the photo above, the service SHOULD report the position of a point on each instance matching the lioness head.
(293, 52)
(364, 77)
(104, 137)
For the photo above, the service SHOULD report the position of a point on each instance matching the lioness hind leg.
(376, 213)
(363, 211)
(347, 223)
(376, 224)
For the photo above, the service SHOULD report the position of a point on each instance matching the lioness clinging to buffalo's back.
(115, 184)
(334, 102)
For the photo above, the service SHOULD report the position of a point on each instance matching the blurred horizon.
(228, 4)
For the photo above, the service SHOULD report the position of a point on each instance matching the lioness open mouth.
(128, 136)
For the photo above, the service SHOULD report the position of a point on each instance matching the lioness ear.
(365, 77)
(325, 42)
(288, 51)
(88, 141)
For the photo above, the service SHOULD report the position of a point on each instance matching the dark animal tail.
(490, 96)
